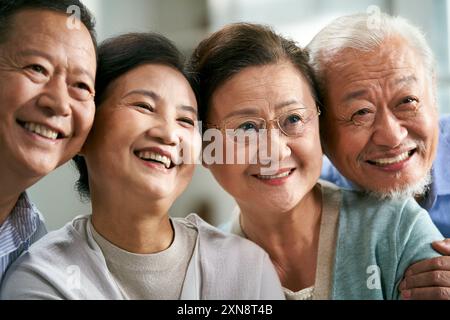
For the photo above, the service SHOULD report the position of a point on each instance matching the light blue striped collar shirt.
(23, 227)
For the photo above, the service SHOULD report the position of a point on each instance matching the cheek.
(181, 179)
(192, 142)
(309, 153)
(426, 127)
(346, 145)
(15, 94)
(83, 118)
(227, 175)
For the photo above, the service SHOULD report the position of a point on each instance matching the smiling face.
(46, 85)
(267, 92)
(148, 113)
(380, 129)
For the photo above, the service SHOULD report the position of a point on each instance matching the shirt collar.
(21, 224)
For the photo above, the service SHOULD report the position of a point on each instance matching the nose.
(165, 131)
(388, 130)
(279, 147)
(55, 100)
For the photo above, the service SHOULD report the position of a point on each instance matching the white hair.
(418, 188)
(365, 32)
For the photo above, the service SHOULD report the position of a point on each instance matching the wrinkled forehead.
(37, 25)
(46, 34)
(378, 63)
(261, 87)
(393, 65)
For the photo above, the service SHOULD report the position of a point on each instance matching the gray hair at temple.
(366, 32)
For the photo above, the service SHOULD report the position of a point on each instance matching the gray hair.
(418, 188)
(365, 32)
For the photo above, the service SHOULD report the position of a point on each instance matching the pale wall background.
(186, 22)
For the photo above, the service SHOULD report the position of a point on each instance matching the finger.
(427, 279)
(443, 247)
(433, 293)
(438, 263)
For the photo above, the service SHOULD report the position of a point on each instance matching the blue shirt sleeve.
(331, 174)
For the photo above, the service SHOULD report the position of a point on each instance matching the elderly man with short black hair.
(47, 81)
(380, 125)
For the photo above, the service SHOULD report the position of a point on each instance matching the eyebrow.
(406, 80)
(254, 111)
(142, 92)
(355, 94)
(154, 96)
(363, 92)
(188, 109)
(34, 52)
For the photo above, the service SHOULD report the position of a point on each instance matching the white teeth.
(397, 159)
(41, 130)
(278, 176)
(148, 155)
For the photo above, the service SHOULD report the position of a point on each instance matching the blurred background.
(188, 21)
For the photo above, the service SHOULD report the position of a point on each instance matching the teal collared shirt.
(377, 241)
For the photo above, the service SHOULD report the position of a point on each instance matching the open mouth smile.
(153, 157)
(276, 179)
(41, 130)
(393, 161)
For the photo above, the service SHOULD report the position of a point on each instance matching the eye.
(37, 69)
(145, 106)
(361, 112)
(83, 86)
(407, 108)
(294, 118)
(409, 100)
(247, 126)
(362, 116)
(187, 121)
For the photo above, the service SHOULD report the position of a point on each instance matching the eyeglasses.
(290, 123)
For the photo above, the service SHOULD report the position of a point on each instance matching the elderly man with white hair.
(380, 125)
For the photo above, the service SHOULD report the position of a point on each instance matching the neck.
(11, 187)
(7, 204)
(290, 238)
(142, 228)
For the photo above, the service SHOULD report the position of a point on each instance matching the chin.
(404, 189)
(41, 169)
(279, 205)
(160, 192)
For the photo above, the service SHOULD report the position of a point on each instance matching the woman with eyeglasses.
(257, 88)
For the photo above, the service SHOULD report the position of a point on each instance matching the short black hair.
(119, 55)
(8, 8)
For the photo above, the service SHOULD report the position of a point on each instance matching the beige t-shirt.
(331, 198)
(157, 276)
